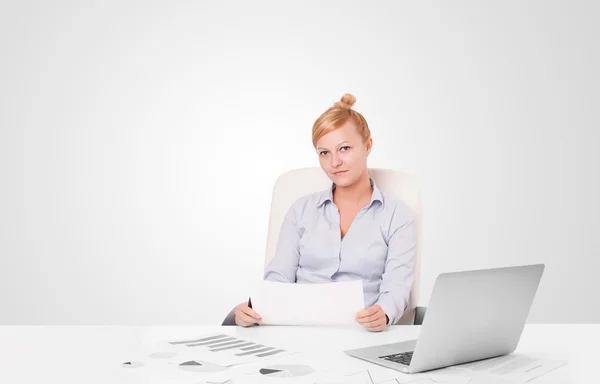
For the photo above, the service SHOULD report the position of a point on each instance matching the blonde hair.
(338, 115)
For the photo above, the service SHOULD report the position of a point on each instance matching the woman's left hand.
(372, 318)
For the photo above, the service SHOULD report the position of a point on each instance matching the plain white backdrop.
(139, 143)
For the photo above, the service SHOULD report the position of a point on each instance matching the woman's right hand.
(245, 316)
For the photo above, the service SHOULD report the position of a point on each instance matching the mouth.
(340, 172)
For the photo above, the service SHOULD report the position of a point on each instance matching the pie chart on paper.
(286, 370)
(200, 366)
(132, 364)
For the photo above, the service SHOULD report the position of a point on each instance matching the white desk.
(92, 354)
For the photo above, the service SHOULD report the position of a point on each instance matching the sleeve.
(399, 269)
(283, 266)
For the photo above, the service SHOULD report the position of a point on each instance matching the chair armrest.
(230, 318)
(419, 315)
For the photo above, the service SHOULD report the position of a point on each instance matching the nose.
(336, 161)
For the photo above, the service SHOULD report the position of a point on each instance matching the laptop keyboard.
(400, 358)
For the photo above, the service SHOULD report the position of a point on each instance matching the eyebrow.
(337, 145)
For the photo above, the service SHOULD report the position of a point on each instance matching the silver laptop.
(472, 315)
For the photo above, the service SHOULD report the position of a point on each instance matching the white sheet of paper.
(299, 368)
(362, 377)
(513, 368)
(448, 375)
(208, 356)
(424, 380)
(308, 304)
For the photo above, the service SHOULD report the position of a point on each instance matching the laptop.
(472, 315)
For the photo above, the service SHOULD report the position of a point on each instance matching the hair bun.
(347, 101)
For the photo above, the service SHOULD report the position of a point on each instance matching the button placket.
(338, 232)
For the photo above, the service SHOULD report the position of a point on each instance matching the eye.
(344, 148)
(323, 153)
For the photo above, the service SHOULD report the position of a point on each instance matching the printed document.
(325, 304)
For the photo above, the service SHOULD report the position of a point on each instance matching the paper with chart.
(208, 357)
(225, 350)
(513, 368)
(308, 304)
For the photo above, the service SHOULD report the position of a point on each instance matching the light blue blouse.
(380, 248)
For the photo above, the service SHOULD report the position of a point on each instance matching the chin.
(343, 185)
(342, 181)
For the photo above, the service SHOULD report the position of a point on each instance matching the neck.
(356, 193)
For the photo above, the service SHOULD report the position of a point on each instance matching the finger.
(244, 308)
(250, 312)
(241, 323)
(367, 312)
(373, 323)
(373, 314)
(247, 319)
(237, 320)
(373, 317)
(377, 329)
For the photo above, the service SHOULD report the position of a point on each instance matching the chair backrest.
(300, 182)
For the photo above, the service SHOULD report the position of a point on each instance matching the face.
(343, 154)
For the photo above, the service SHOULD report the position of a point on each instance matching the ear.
(369, 145)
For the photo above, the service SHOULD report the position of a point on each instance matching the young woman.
(349, 231)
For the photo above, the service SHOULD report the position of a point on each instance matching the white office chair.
(299, 182)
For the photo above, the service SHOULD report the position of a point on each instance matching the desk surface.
(92, 354)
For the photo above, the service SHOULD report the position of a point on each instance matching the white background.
(139, 143)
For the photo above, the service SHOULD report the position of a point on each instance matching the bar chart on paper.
(226, 350)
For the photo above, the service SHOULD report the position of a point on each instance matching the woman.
(349, 231)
